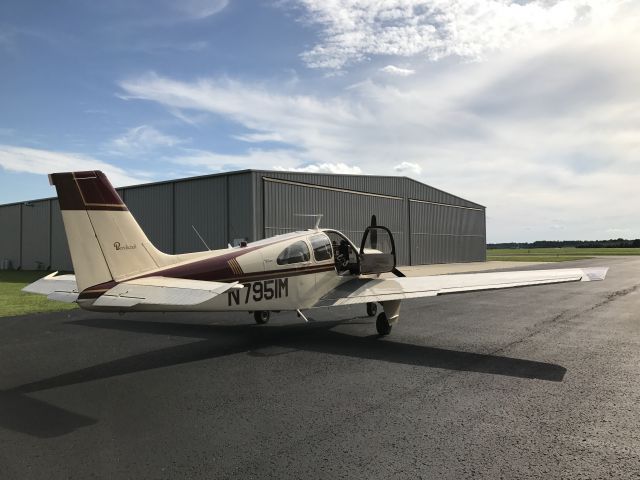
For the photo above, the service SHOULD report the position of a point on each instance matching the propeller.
(397, 272)
(374, 233)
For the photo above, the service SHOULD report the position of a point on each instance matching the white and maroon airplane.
(118, 269)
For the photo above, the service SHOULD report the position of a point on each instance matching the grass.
(534, 258)
(554, 254)
(14, 302)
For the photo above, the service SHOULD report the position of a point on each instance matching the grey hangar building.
(429, 225)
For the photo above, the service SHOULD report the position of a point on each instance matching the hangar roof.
(400, 186)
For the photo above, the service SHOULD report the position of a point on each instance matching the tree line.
(613, 243)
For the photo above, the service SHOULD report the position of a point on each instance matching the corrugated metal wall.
(446, 234)
(36, 235)
(10, 237)
(152, 206)
(201, 203)
(345, 210)
(240, 204)
(254, 204)
(60, 256)
(454, 234)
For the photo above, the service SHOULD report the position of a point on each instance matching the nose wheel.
(382, 324)
(261, 316)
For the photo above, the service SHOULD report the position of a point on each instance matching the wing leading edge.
(365, 290)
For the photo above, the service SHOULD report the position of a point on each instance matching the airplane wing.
(162, 291)
(364, 290)
(62, 288)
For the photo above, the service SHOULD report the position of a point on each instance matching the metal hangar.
(429, 225)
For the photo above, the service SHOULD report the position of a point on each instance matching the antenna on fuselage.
(318, 217)
(200, 237)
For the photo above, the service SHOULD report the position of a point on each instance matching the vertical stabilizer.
(105, 241)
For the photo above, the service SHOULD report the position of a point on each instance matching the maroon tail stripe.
(86, 191)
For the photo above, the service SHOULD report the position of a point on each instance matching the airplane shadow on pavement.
(22, 413)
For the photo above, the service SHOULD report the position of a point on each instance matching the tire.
(372, 309)
(261, 316)
(382, 324)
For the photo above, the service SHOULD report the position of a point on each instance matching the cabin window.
(297, 252)
(321, 246)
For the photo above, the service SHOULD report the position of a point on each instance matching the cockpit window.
(297, 252)
(321, 247)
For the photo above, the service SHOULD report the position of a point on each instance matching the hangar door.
(446, 233)
(346, 210)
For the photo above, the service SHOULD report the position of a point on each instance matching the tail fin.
(105, 241)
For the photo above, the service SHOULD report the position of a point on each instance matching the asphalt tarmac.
(539, 382)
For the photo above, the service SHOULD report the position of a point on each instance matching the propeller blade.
(398, 273)
(374, 233)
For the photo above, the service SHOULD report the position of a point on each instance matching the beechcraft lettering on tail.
(119, 246)
(118, 269)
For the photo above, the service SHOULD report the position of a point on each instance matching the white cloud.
(284, 160)
(142, 139)
(43, 162)
(197, 9)
(544, 134)
(408, 167)
(340, 168)
(259, 137)
(400, 72)
(354, 30)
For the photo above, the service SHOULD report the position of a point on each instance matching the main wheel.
(372, 309)
(261, 316)
(382, 324)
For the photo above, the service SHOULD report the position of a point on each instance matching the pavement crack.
(563, 317)
(615, 296)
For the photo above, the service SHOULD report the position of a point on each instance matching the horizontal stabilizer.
(162, 291)
(62, 288)
(364, 290)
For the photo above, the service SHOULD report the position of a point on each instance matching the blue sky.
(529, 108)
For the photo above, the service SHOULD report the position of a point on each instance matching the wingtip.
(594, 274)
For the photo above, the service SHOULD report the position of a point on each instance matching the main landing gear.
(388, 317)
(382, 324)
(261, 316)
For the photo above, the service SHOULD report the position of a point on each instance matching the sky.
(530, 108)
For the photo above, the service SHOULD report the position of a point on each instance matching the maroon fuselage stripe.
(98, 290)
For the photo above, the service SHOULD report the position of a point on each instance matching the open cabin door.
(377, 251)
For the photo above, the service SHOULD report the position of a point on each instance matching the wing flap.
(62, 288)
(362, 290)
(162, 291)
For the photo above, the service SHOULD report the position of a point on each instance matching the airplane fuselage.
(284, 272)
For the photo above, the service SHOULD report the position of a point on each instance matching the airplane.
(117, 268)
